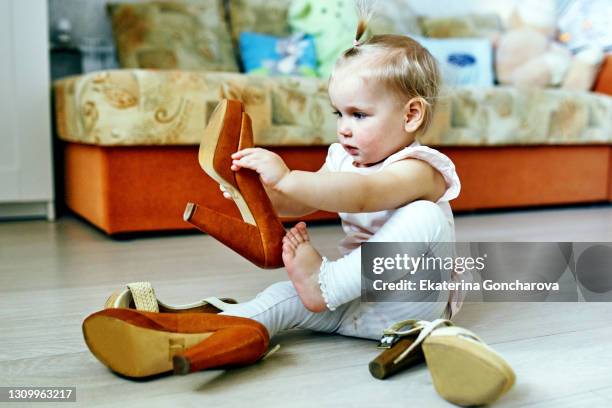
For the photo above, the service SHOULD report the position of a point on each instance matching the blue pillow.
(269, 55)
(462, 61)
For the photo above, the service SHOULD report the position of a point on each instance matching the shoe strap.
(401, 329)
(425, 330)
(144, 296)
(218, 303)
(271, 351)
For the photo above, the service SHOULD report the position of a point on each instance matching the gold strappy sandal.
(141, 296)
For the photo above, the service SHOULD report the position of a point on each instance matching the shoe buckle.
(401, 329)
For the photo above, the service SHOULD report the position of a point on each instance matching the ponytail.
(365, 10)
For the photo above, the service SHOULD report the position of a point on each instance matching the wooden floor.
(52, 275)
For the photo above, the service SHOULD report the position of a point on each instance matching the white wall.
(26, 186)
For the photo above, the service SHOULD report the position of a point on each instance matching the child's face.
(370, 119)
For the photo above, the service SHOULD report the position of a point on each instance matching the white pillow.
(462, 61)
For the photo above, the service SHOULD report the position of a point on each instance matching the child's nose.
(344, 130)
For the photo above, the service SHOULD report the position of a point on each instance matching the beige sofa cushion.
(395, 17)
(470, 25)
(146, 107)
(173, 35)
(260, 16)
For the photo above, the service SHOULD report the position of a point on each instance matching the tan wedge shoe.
(464, 370)
(258, 234)
(142, 344)
(141, 296)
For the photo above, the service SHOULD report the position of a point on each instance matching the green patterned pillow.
(189, 34)
(259, 16)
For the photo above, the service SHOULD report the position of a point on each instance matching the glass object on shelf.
(97, 54)
(65, 55)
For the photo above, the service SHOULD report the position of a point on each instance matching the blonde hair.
(398, 62)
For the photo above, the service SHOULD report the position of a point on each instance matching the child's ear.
(414, 114)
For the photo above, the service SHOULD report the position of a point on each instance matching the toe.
(292, 235)
(288, 252)
(303, 232)
(288, 242)
(297, 234)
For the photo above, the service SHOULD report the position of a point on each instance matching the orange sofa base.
(519, 176)
(146, 188)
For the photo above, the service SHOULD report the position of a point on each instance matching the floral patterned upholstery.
(496, 116)
(148, 107)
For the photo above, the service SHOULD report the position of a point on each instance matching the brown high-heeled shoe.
(141, 296)
(258, 235)
(141, 344)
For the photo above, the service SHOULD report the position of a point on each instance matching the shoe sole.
(465, 371)
(135, 351)
(208, 146)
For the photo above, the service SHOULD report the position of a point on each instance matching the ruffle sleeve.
(438, 161)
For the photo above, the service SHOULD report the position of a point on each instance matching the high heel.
(141, 296)
(258, 235)
(464, 369)
(141, 344)
(228, 347)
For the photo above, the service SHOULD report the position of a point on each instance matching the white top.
(359, 227)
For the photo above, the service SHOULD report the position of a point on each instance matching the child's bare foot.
(303, 263)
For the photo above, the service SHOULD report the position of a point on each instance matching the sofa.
(130, 138)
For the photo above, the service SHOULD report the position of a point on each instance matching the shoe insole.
(206, 155)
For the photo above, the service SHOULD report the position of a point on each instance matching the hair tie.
(356, 43)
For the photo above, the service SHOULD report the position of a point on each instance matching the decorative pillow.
(462, 61)
(260, 16)
(269, 55)
(331, 23)
(471, 25)
(173, 35)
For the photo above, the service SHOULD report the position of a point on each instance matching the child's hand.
(226, 193)
(270, 167)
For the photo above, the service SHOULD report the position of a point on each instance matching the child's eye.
(359, 115)
(337, 113)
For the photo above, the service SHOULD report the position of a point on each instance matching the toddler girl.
(385, 186)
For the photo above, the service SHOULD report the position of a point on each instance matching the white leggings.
(279, 307)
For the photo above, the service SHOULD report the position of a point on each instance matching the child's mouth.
(351, 150)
